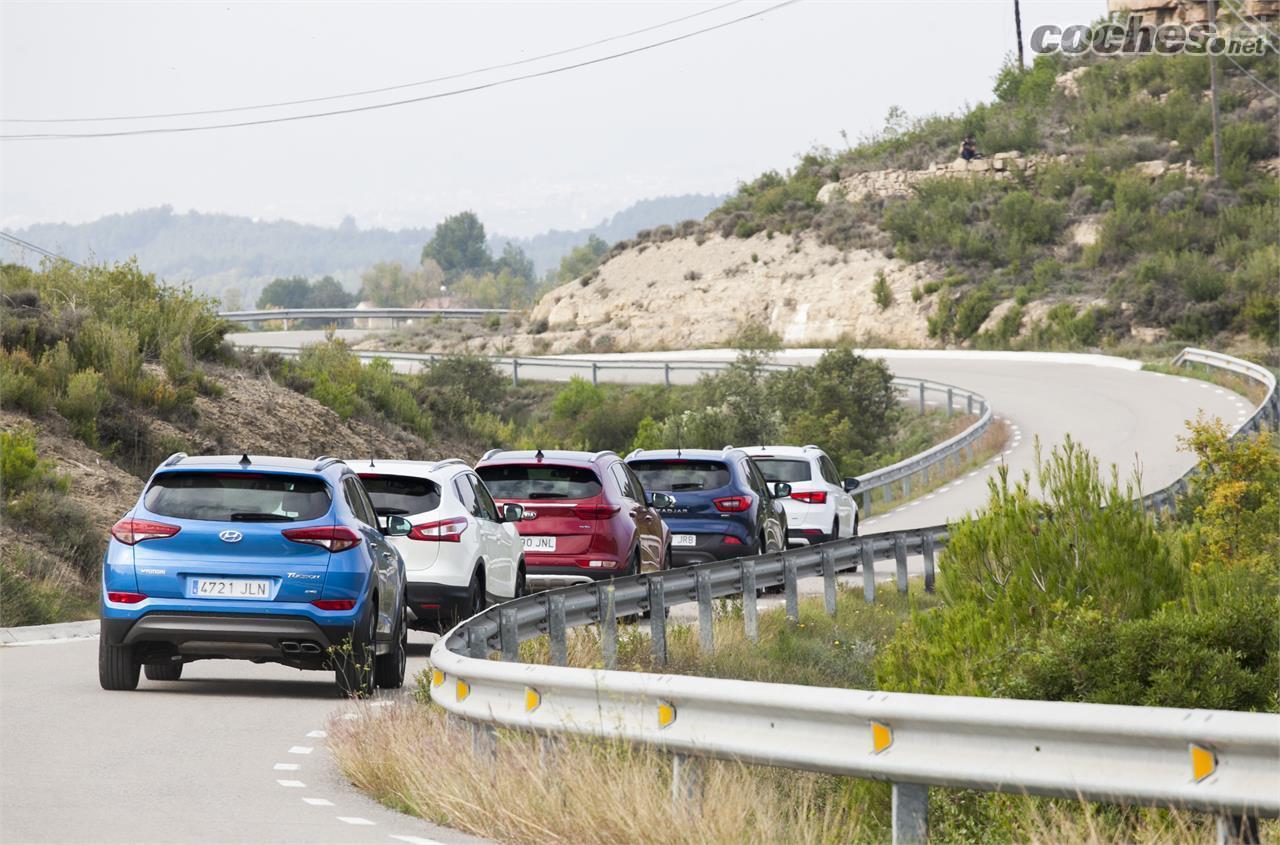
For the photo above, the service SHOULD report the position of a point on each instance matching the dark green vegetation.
(1195, 256)
(297, 292)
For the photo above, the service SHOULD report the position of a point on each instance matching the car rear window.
(542, 481)
(675, 475)
(780, 469)
(401, 495)
(237, 496)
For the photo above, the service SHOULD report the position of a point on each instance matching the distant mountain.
(235, 257)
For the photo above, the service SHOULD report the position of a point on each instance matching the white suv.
(821, 506)
(463, 551)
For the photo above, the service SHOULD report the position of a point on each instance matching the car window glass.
(829, 470)
(676, 475)
(237, 496)
(466, 495)
(357, 502)
(488, 509)
(624, 483)
(753, 478)
(635, 482)
(541, 481)
(401, 495)
(789, 470)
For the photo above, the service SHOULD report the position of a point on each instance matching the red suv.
(586, 515)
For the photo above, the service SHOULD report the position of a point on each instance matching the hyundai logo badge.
(231, 536)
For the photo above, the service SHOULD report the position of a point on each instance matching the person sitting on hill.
(968, 149)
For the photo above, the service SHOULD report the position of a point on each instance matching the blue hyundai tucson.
(273, 560)
(723, 507)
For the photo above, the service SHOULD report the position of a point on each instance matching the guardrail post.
(906, 486)
(608, 626)
(686, 781)
(829, 580)
(706, 620)
(509, 633)
(910, 814)
(868, 572)
(971, 404)
(922, 399)
(789, 589)
(750, 614)
(515, 372)
(866, 503)
(926, 546)
(595, 373)
(484, 738)
(666, 374)
(1237, 830)
(556, 631)
(949, 399)
(658, 621)
(900, 557)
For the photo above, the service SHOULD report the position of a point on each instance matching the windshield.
(237, 497)
(675, 475)
(400, 495)
(780, 469)
(540, 482)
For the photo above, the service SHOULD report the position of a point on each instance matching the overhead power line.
(19, 242)
(396, 103)
(383, 90)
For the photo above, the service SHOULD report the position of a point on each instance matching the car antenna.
(244, 460)
(370, 459)
(679, 439)
(538, 456)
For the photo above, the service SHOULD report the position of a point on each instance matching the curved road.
(230, 753)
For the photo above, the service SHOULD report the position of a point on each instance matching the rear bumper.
(710, 547)
(288, 639)
(436, 606)
(807, 536)
(543, 576)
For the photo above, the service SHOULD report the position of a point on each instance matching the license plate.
(684, 539)
(539, 544)
(230, 588)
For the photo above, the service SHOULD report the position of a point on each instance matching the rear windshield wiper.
(247, 516)
(547, 496)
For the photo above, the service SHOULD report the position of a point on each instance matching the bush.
(19, 387)
(21, 468)
(881, 291)
(86, 396)
(972, 312)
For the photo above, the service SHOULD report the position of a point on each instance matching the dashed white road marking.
(355, 820)
(416, 840)
(1184, 380)
(318, 802)
(292, 784)
(972, 474)
(300, 749)
(944, 488)
(317, 735)
(1220, 391)
(285, 767)
(930, 495)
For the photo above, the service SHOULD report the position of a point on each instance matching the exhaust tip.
(290, 647)
(310, 648)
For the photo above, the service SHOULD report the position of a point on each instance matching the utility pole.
(1213, 94)
(1017, 24)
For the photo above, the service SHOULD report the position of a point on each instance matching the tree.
(459, 246)
(582, 259)
(327, 293)
(389, 285)
(290, 292)
(516, 262)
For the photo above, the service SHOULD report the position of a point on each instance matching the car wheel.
(835, 529)
(522, 582)
(855, 525)
(169, 670)
(117, 668)
(353, 659)
(475, 594)
(389, 668)
(666, 559)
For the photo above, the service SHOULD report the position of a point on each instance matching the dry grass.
(992, 442)
(416, 759)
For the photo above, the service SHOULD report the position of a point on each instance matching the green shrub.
(578, 398)
(28, 598)
(881, 291)
(19, 387)
(972, 311)
(63, 522)
(85, 397)
(21, 468)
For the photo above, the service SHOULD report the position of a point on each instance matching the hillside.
(1092, 220)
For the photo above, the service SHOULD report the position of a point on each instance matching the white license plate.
(230, 588)
(684, 539)
(539, 544)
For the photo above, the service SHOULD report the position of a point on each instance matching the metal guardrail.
(333, 314)
(1217, 761)
(921, 392)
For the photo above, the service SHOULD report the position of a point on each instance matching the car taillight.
(334, 604)
(730, 540)
(125, 598)
(594, 511)
(817, 497)
(443, 531)
(133, 531)
(335, 538)
(733, 504)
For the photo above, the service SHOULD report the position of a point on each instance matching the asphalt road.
(200, 760)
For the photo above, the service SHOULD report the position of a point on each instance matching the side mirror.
(851, 484)
(512, 513)
(661, 500)
(781, 490)
(397, 526)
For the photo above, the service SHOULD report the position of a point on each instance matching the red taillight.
(443, 531)
(733, 504)
(125, 598)
(730, 540)
(590, 512)
(133, 531)
(817, 497)
(334, 604)
(335, 538)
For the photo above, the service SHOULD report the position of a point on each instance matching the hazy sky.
(562, 151)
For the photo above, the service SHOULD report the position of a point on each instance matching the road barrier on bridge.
(1223, 762)
(335, 314)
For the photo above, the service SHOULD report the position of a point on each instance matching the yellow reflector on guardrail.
(666, 713)
(881, 737)
(1203, 762)
(532, 698)
(463, 690)
(437, 677)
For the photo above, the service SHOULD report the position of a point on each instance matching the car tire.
(522, 582)
(667, 564)
(169, 670)
(475, 595)
(389, 668)
(354, 658)
(117, 668)
(855, 525)
(835, 530)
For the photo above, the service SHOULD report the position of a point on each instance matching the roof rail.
(632, 454)
(598, 455)
(174, 459)
(325, 461)
(487, 455)
(727, 447)
(810, 446)
(440, 464)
